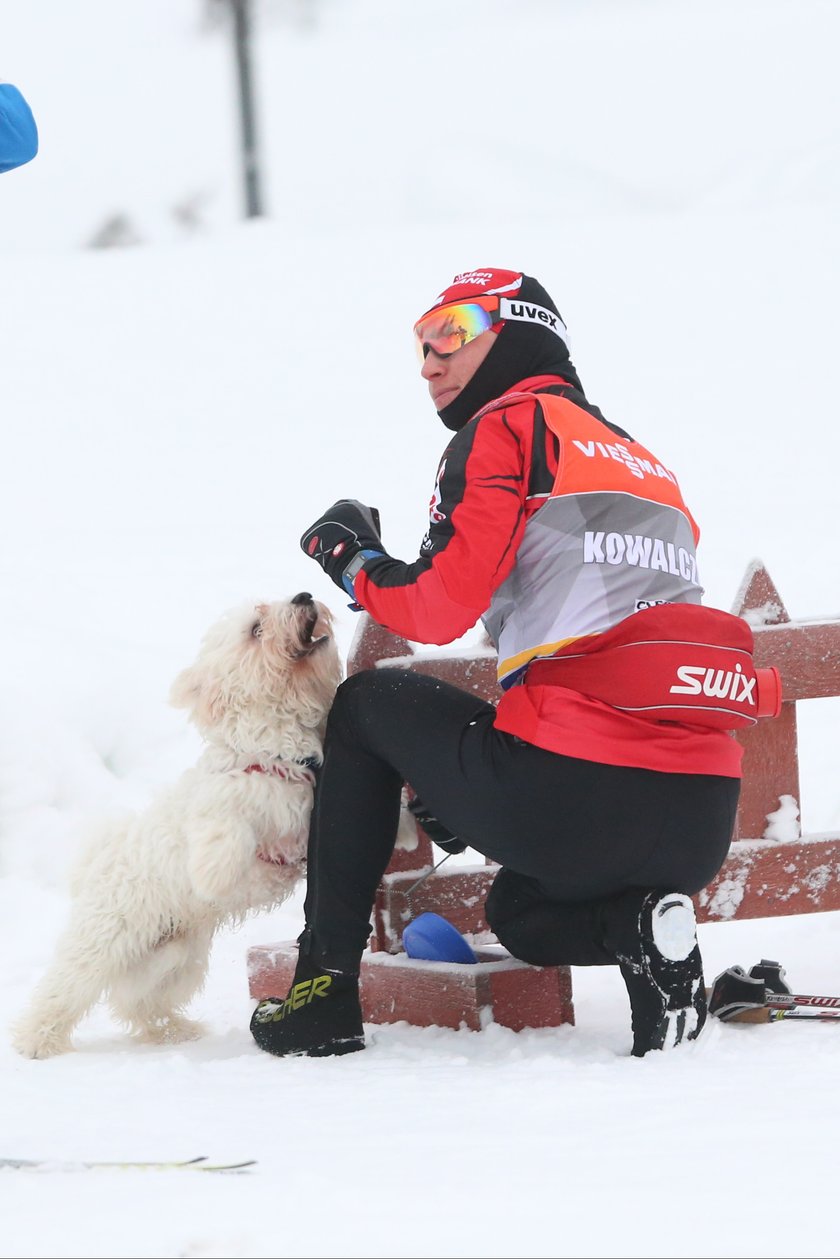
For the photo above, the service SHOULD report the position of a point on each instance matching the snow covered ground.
(174, 415)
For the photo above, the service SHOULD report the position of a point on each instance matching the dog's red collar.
(286, 769)
(272, 861)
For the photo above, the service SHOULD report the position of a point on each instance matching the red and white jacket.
(573, 543)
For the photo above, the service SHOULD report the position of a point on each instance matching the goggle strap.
(529, 312)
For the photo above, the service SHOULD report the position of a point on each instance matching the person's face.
(446, 377)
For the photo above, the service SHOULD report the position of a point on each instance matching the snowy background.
(176, 411)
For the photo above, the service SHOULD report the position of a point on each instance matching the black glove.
(343, 539)
(435, 829)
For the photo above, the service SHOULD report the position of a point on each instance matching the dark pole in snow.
(242, 41)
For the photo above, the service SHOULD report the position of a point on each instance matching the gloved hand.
(343, 539)
(435, 829)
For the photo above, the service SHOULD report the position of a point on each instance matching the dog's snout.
(303, 597)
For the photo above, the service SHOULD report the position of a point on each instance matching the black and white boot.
(654, 938)
(320, 1016)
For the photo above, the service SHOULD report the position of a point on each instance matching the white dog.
(229, 837)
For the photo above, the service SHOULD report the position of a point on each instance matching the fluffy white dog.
(229, 837)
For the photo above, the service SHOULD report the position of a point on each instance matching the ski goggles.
(452, 327)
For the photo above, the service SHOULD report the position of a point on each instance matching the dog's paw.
(407, 837)
(169, 1031)
(42, 1042)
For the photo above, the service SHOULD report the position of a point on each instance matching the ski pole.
(763, 996)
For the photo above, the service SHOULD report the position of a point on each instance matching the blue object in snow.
(433, 939)
(18, 132)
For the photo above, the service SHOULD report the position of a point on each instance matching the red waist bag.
(673, 662)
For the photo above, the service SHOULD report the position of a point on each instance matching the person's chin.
(443, 399)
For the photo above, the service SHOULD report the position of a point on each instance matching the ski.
(761, 995)
(801, 1006)
(199, 1164)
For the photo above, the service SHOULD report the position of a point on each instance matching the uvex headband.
(449, 328)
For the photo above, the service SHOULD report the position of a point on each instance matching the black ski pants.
(570, 835)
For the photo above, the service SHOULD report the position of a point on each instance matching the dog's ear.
(185, 689)
(195, 690)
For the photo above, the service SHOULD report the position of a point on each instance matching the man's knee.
(509, 897)
(350, 695)
(368, 712)
(509, 911)
(529, 938)
(360, 682)
(541, 931)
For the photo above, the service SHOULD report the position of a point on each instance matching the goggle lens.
(452, 327)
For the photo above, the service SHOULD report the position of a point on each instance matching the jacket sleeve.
(18, 132)
(477, 517)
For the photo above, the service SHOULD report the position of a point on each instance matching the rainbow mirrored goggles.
(450, 328)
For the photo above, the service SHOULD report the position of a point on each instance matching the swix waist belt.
(675, 662)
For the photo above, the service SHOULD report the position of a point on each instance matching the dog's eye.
(256, 629)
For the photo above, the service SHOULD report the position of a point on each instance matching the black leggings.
(570, 834)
